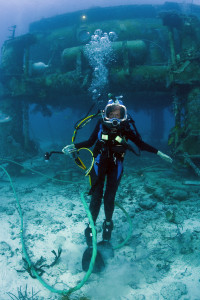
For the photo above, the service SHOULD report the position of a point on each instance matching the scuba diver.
(110, 137)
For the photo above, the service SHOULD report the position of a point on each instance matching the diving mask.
(115, 112)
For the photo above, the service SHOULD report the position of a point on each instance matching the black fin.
(99, 262)
(106, 249)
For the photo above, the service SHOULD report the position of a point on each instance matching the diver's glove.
(165, 157)
(70, 150)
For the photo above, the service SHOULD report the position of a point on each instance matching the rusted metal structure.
(156, 65)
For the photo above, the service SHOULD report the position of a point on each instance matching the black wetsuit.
(109, 155)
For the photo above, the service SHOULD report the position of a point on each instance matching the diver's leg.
(113, 179)
(97, 178)
(97, 181)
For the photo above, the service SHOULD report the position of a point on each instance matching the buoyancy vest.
(111, 142)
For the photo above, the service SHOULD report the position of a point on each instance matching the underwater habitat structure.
(155, 65)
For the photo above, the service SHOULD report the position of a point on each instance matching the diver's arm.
(165, 157)
(146, 147)
(71, 149)
(92, 139)
(139, 142)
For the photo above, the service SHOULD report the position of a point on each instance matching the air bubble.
(98, 32)
(112, 36)
(99, 52)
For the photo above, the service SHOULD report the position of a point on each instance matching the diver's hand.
(165, 157)
(69, 150)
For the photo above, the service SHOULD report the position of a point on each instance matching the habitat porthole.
(83, 35)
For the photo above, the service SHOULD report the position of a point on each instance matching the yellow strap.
(80, 163)
(74, 134)
(90, 180)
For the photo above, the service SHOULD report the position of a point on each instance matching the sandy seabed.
(160, 261)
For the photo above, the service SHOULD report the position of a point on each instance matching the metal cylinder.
(125, 53)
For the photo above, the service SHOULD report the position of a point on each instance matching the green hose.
(94, 236)
(129, 221)
(37, 172)
(94, 253)
(130, 227)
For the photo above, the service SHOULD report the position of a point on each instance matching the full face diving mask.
(115, 113)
